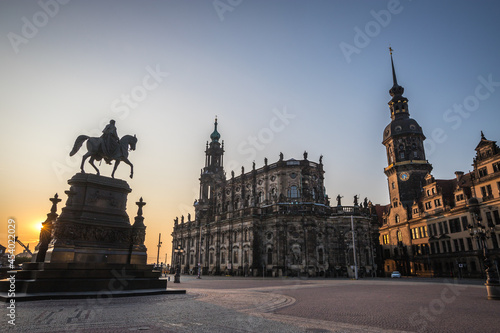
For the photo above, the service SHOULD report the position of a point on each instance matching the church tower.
(212, 176)
(404, 142)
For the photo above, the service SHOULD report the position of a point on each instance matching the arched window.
(320, 256)
(223, 258)
(235, 260)
(269, 256)
(293, 192)
(397, 218)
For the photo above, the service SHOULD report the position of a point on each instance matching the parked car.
(395, 274)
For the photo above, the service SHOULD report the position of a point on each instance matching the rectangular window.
(459, 197)
(445, 225)
(465, 223)
(385, 239)
(455, 243)
(461, 241)
(483, 172)
(437, 202)
(428, 205)
(434, 231)
(425, 232)
(440, 225)
(489, 219)
(414, 234)
(393, 185)
(496, 216)
(469, 244)
(455, 225)
(494, 241)
(496, 167)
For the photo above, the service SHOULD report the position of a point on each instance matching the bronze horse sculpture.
(96, 153)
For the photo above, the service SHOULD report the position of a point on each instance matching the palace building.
(426, 227)
(275, 220)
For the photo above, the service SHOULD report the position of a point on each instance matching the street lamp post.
(481, 233)
(179, 250)
(158, 254)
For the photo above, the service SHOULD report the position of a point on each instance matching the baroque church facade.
(275, 220)
(426, 228)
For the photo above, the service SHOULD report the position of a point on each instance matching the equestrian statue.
(108, 147)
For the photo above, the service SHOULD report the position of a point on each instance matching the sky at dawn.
(281, 76)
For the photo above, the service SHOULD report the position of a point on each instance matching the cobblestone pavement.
(226, 304)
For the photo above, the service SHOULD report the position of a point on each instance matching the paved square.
(228, 304)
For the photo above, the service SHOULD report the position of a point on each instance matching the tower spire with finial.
(396, 89)
(394, 79)
(215, 136)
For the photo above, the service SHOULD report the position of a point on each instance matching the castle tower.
(404, 142)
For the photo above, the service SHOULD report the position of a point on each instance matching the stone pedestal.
(94, 227)
(92, 250)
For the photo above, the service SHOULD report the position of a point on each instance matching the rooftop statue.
(108, 147)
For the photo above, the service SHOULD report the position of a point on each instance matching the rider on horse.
(110, 141)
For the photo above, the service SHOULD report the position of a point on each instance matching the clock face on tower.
(404, 176)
